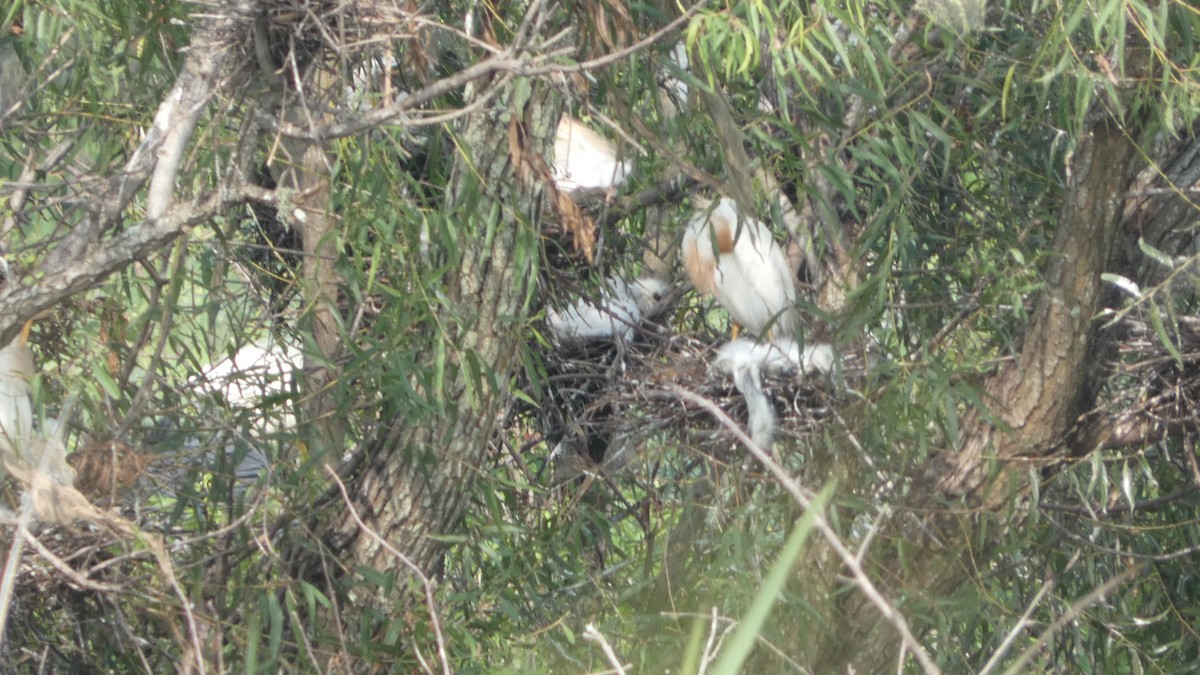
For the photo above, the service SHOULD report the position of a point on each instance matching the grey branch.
(82, 259)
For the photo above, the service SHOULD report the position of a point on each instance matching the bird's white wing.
(583, 159)
(614, 316)
(737, 354)
(764, 291)
(818, 358)
(253, 371)
(16, 409)
(779, 357)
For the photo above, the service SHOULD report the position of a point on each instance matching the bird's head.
(647, 291)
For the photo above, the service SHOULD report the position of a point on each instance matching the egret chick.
(621, 307)
(781, 357)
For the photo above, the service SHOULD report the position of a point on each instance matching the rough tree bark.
(1155, 211)
(1034, 403)
(1158, 213)
(1038, 397)
(420, 477)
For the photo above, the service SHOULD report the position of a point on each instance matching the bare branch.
(175, 122)
(507, 61)
(590, 633)
(1120, 505)
(63, 568)
(397, 110)
(79, 261)
(63, 275)
(1022, 622)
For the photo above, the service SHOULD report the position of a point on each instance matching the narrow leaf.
(1161, 331)
(743, 639)
(1156, 255)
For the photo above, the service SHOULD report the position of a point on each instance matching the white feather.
(759, 410)
(42, 451)
(781, 357)
(585, 160)
(251, 378)
(812, 358)
(620, 308)
(753, 281)
(647, 291)
(16, 408)
(676, 88)
(251, 373)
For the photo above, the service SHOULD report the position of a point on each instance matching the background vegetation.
(999, 204)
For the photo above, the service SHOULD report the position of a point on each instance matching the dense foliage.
(934, 153)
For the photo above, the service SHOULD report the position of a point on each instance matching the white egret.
(16, 407)
(255, 381)
(743, 266)
(620, 308)
(745, 361)
(585, 160)
(254, 372)
(25, 450)
(780, 357)
(672, 91)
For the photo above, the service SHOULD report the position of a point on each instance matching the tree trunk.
(1157, 208)
(1037, 398)
(420, 477)
(1035, 403)
(305, 173)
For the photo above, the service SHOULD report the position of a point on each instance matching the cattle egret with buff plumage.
(742, 265)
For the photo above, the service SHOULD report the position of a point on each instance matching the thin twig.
(804, 498)
(1021, 623)
(60, 565)
(1073, 611)
(504, 62)
(708, 655)
(164, 565)
(733, 624)
(590, 633)
(1152, 557)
